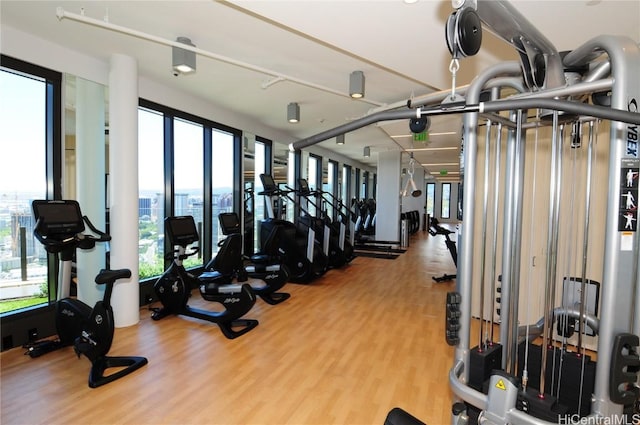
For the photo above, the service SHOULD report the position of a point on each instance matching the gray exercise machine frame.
(621, 274)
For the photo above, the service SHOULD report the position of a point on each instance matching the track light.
(184, 61)
(356, 85)
(293, 112)
(340, 139)
(367, 152)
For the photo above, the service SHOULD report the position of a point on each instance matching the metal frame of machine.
(544, 81)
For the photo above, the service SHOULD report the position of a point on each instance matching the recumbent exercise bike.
(60, 228)
(173, 288)
(231, 263)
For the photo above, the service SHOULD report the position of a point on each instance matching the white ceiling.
(400, 48)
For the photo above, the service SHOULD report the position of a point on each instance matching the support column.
(123, 185)
(90, 182)
(388, 196)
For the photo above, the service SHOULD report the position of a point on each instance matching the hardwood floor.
(342, 350)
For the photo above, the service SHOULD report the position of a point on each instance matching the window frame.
(16, 323)
(169, 114)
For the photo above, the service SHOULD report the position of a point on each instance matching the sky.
(22, 142)
(22, 133)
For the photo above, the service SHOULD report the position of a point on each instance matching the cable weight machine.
(556, 221)
(533, 374)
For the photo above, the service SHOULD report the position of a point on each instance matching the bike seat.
(110, 276)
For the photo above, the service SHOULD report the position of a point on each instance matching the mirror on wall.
(255, 155)
(86, 110)
(86, 170)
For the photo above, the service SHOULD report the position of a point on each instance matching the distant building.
(24, 220)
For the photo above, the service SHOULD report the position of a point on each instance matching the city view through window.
(23, 168)
(23, 261)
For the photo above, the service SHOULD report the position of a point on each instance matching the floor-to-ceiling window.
(365, 185)
(188, 174)
(431, 198)
(314, 171)
(445, 206)
(222, 172)
(374, 189)
(330, 189)
(346, 186)
(30, 146)
(150, 192)
(187, 167)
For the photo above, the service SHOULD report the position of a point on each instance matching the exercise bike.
(174, 286)
(60, 228)
(230, 263)
(436, 229)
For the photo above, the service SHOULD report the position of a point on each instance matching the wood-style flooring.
(345, 349)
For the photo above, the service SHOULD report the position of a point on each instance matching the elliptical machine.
(60, 228)
(231, 263)
(297, 247)
(436, 229)
(174, 286)
(333, 234)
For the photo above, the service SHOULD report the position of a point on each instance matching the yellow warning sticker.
(500, 385)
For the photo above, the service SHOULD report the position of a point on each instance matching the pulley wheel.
(468, 32)
(418, 125)
(449, 34)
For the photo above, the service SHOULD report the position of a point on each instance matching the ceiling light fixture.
(340, 139)
(446, 148)
(293, 112)
(356, 85)
(442, 164)
(367, 152)
(183, 61)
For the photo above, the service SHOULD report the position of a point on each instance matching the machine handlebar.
(60, 242)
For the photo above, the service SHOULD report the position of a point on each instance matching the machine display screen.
(268, 183)
(229, 223)
(304, 185)
(58, 217)
(181, 230)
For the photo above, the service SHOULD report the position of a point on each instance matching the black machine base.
(125, 366)
(444, 278)
(238, 327)
(230, 328)
(273, 298)
(398, 416)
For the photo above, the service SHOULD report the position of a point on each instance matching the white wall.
(388, 212)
